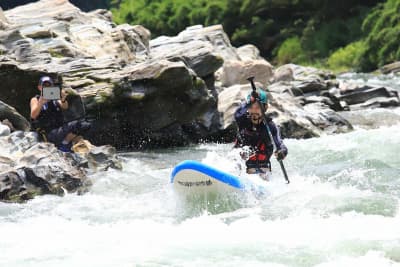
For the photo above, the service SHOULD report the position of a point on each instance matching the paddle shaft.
(251, 80)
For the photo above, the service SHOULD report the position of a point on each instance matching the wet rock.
(377, 102)
(9, 113)
(391, 68)
(29, 168)
(311, 120)
(12, 187)
(96, 158)
(363, 94)
(310, 86)
(4, 130)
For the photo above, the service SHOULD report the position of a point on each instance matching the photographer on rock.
(47, 117)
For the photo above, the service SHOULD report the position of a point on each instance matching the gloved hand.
(246, 152)
(280, 154)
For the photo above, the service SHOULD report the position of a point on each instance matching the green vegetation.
(347, 58)
(291, 52)
(382, 27)
(342, 34)
(168, 17)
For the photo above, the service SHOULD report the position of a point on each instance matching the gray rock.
(3, 24)
(9, 113)
(4, 130)
(216, 36)
(361, 95)
(236, 72)
(283, 74)
(302, 72)
(248, 52)
(391, 68)
(377, 102)
(92, 34)
(311, 115)
(2, 17)
(198, 55)
(95, 158)
(228, 101)
(203, 49)
(284, 87)
(29, 167)
(310, 86)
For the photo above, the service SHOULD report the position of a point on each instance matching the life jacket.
(50, 117)
(258, 139)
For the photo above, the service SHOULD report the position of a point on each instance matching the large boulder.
(109, 67)
(236, 72)
(248, 52)
(61, 29)
(29, 168)
(10, 114)
(283, 74)
(198, 55)
(32, 168)
(146, 101)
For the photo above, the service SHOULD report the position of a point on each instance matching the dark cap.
(45, 79)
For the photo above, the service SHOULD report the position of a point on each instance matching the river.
(341, 209)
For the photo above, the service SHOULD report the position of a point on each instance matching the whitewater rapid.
(341, 209)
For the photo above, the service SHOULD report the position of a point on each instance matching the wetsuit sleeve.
(277, 137)
(241, 116)
(241, 121)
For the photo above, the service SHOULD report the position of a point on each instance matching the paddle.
(251, 80)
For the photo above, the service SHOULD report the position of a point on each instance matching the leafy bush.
(347, 58)
(291, 52)
(382, 27)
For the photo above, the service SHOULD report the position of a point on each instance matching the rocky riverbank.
(142, 93)
(29, 167)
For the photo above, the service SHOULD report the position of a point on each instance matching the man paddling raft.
(254, 132)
